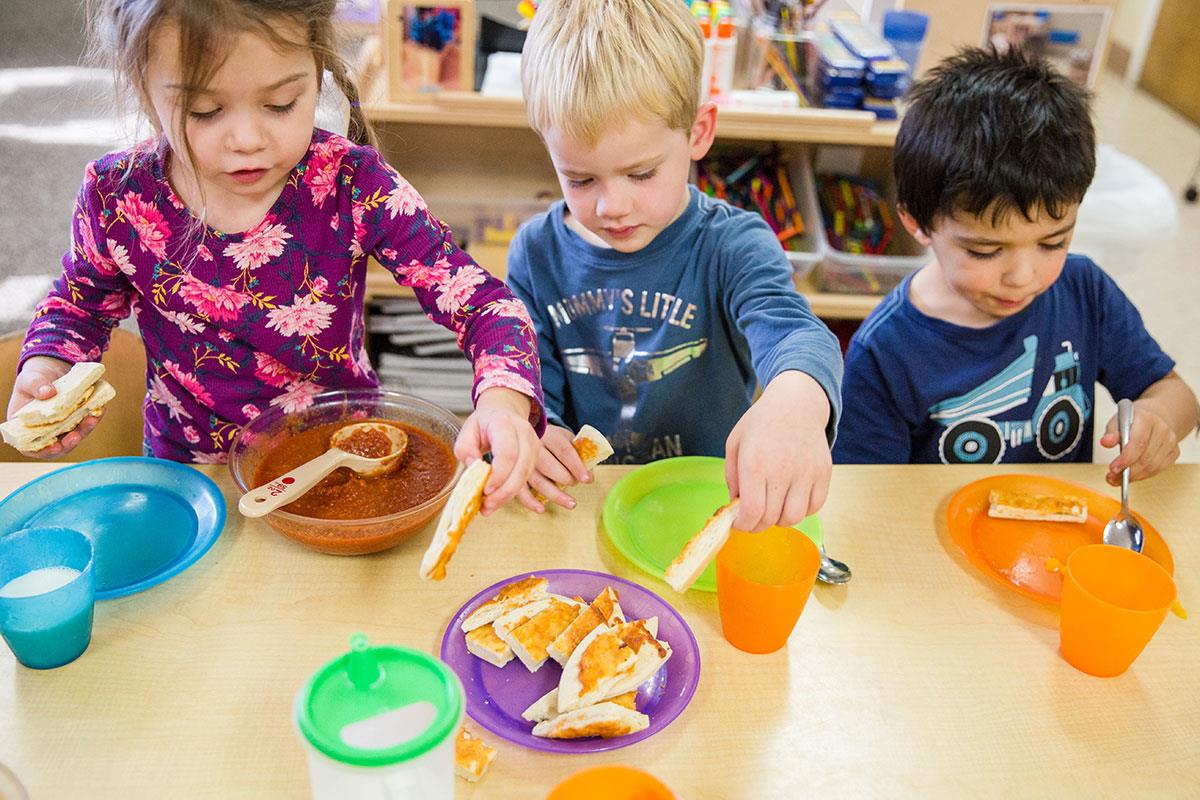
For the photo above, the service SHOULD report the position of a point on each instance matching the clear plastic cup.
(1113, 602)
(378, 723)
(611, 782)
(763, 582)
(47, 595)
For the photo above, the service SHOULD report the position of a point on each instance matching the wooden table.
(919, 678)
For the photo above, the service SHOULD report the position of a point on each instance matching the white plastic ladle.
(292, 485)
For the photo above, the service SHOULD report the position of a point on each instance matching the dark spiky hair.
(994, 131)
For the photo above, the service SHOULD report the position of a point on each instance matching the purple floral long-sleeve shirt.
(236, 323)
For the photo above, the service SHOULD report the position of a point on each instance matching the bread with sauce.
(701, 548)
(511, 595)
(530, 639)
(460, 509)
(606, 720)
(1020, 505)
(472, 756)
(606, 609)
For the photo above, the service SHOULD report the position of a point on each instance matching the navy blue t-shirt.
(922, 390)
(661, 349)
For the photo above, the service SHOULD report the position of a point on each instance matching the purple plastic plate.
(497, 696)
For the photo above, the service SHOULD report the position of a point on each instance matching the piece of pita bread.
(599, 660)
(530, 639)
(604, 609)
(605, 719)
(472, 756)
(519, 616)
(70, 391)
(484, 643)
(652, 653)
(460, 509)
(546, 706)
(592, 448)
(510, 596)
(31, 438)
(1053, 508)
(701, 549)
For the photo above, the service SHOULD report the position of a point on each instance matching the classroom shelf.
(818, 125)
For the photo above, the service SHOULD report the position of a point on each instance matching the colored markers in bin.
(757, 183)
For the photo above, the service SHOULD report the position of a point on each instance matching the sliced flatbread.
(484, 643)
(591, 446)
(701, 548)
(472, 756)
(29, 439)
(652, 653)
(606, 720)
(460, 509)
(530, 639)
(510, 596)
(605, 609)
(598, 662)
(1052, 508)
(71, 391)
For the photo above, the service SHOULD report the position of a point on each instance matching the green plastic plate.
(652, 512)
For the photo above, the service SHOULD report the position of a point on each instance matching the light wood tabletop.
(920, 677)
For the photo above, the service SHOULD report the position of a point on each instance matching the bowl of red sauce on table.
(346, 513)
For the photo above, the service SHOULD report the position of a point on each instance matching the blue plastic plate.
(148, 519)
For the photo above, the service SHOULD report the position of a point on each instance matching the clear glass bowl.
(344, 536)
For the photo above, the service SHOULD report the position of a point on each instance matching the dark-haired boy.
(991, 351)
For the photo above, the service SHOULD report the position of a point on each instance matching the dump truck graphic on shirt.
(625, 368)
(972, 433)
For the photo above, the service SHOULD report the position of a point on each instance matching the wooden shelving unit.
(464, 144)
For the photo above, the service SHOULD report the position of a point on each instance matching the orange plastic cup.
(611, 782)
(763, 581)
(1113, 601)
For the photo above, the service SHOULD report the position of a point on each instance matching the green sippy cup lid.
(337, 710)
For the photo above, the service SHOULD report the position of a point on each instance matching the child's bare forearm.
(1173, 400)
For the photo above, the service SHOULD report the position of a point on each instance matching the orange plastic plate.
(1014, 552)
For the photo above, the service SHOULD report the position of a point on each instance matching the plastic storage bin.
(800, 178)
(840, 272)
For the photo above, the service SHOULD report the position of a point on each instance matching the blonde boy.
(659, 309)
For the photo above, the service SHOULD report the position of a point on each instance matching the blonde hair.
(587, 64)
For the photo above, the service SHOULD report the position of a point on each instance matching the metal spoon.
(832, 570)
(351, 446)
(1123, 530)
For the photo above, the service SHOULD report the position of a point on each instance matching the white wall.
(1132, 28)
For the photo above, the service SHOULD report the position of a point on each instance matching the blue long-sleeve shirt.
(923, 390)
(661, 349)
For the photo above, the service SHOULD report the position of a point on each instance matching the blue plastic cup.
(47, 595)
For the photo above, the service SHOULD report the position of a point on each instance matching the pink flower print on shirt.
(87, 240)
(204, 253)
(297, 397)
(216, 303)
(403, 199)
(147, 222)
(250, 411)
(333, 221)
(190, 434)
(115, 304)
(76, 353)
(320, 285)
(458, 288)
(508, 307)
(185, 322)
(225, 336)
(389, 254)
(305, 317)
(262, 243)
(360, 230)
(159, 393)
(120, 256)
(54, 303)
(189, 382)
(272, 372)
(323, 166)
(199, 457)
(423, 276)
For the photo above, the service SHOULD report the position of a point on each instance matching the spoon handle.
(1124, 422)
(289, 486)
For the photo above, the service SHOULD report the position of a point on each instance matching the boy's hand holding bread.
(777, 458)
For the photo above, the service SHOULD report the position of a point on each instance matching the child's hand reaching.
(1152, 447)
(35, 382)
(777, 457)
(500, 425)
(558, 465)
